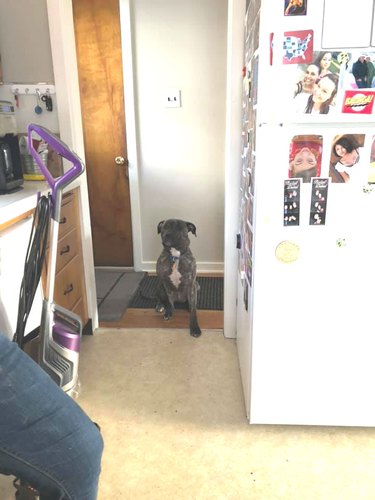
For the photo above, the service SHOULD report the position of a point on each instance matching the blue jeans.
(45, 437)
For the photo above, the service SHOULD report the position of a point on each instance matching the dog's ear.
(191, 227)
(160, 225)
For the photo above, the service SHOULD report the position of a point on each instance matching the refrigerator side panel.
(245, 242)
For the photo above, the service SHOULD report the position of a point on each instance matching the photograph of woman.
(324, 62)
(307, 81)
(322, 98)
(305, 157)
(295, 7)
(345, 163)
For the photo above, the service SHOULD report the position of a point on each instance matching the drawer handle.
(65, 250)
(63, 220)
(69, 289)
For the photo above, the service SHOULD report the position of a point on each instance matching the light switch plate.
(173, 99)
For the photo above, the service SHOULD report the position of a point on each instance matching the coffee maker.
(11, 175)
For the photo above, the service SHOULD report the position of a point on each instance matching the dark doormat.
(115, 289)
(210, 295)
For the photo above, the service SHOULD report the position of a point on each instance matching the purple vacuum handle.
(57, 185)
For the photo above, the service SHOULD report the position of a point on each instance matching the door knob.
(120, 160)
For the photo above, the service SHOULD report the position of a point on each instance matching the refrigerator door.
(305, 338)
(312, 339)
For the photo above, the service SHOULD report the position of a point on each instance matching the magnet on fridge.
(287, 252)
(295, 7)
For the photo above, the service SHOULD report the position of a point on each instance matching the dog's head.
(174, 234)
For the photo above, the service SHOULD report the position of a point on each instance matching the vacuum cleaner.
(60, 330)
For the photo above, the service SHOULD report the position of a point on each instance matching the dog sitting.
(176, 269)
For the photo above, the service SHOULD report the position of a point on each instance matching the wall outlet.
(173, 99)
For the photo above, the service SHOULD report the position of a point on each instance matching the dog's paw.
(159, 308)
(195, 332)
(168, 312)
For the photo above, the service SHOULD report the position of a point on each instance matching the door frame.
(60, 17)
(131, 130)
(61, 28)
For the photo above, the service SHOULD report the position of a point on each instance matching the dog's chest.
(175, 275)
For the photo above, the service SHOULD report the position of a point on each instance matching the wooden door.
(98, 45)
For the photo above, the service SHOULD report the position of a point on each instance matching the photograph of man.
(370, 72)
(360, 72)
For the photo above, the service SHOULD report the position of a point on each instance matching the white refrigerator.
(306, 231)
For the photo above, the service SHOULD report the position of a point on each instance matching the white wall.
(25, 113)
(24, 42)
(181, 151)
(25, 52)
(181, 45)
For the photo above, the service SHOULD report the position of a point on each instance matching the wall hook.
(43, 88)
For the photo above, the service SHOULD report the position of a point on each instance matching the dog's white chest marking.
(175, 276)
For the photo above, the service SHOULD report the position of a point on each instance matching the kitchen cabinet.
(16, 218)
(70, 291)
(14, 241)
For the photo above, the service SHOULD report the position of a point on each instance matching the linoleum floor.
(172, 415)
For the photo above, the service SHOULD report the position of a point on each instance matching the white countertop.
(14, 204)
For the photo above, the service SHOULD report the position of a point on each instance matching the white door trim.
(131, 129)
(61, 27)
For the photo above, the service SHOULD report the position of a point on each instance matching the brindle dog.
(176, 269)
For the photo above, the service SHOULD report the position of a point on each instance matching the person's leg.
(45, 437)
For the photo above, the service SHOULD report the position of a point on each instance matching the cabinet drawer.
(68, 287)
(67, 216)
(67, 248)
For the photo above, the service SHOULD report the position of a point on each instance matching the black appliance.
(11, 174)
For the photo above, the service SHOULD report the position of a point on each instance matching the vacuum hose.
(34, 260)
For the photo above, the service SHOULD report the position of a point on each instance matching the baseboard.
(87, 329)
(115, 268)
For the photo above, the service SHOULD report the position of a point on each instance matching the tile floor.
(172, 416)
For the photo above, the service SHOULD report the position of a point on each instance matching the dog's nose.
(167, 239)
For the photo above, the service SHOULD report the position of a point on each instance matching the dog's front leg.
(164, 303)
(195, 331)
(162, 298)
(169, 307)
